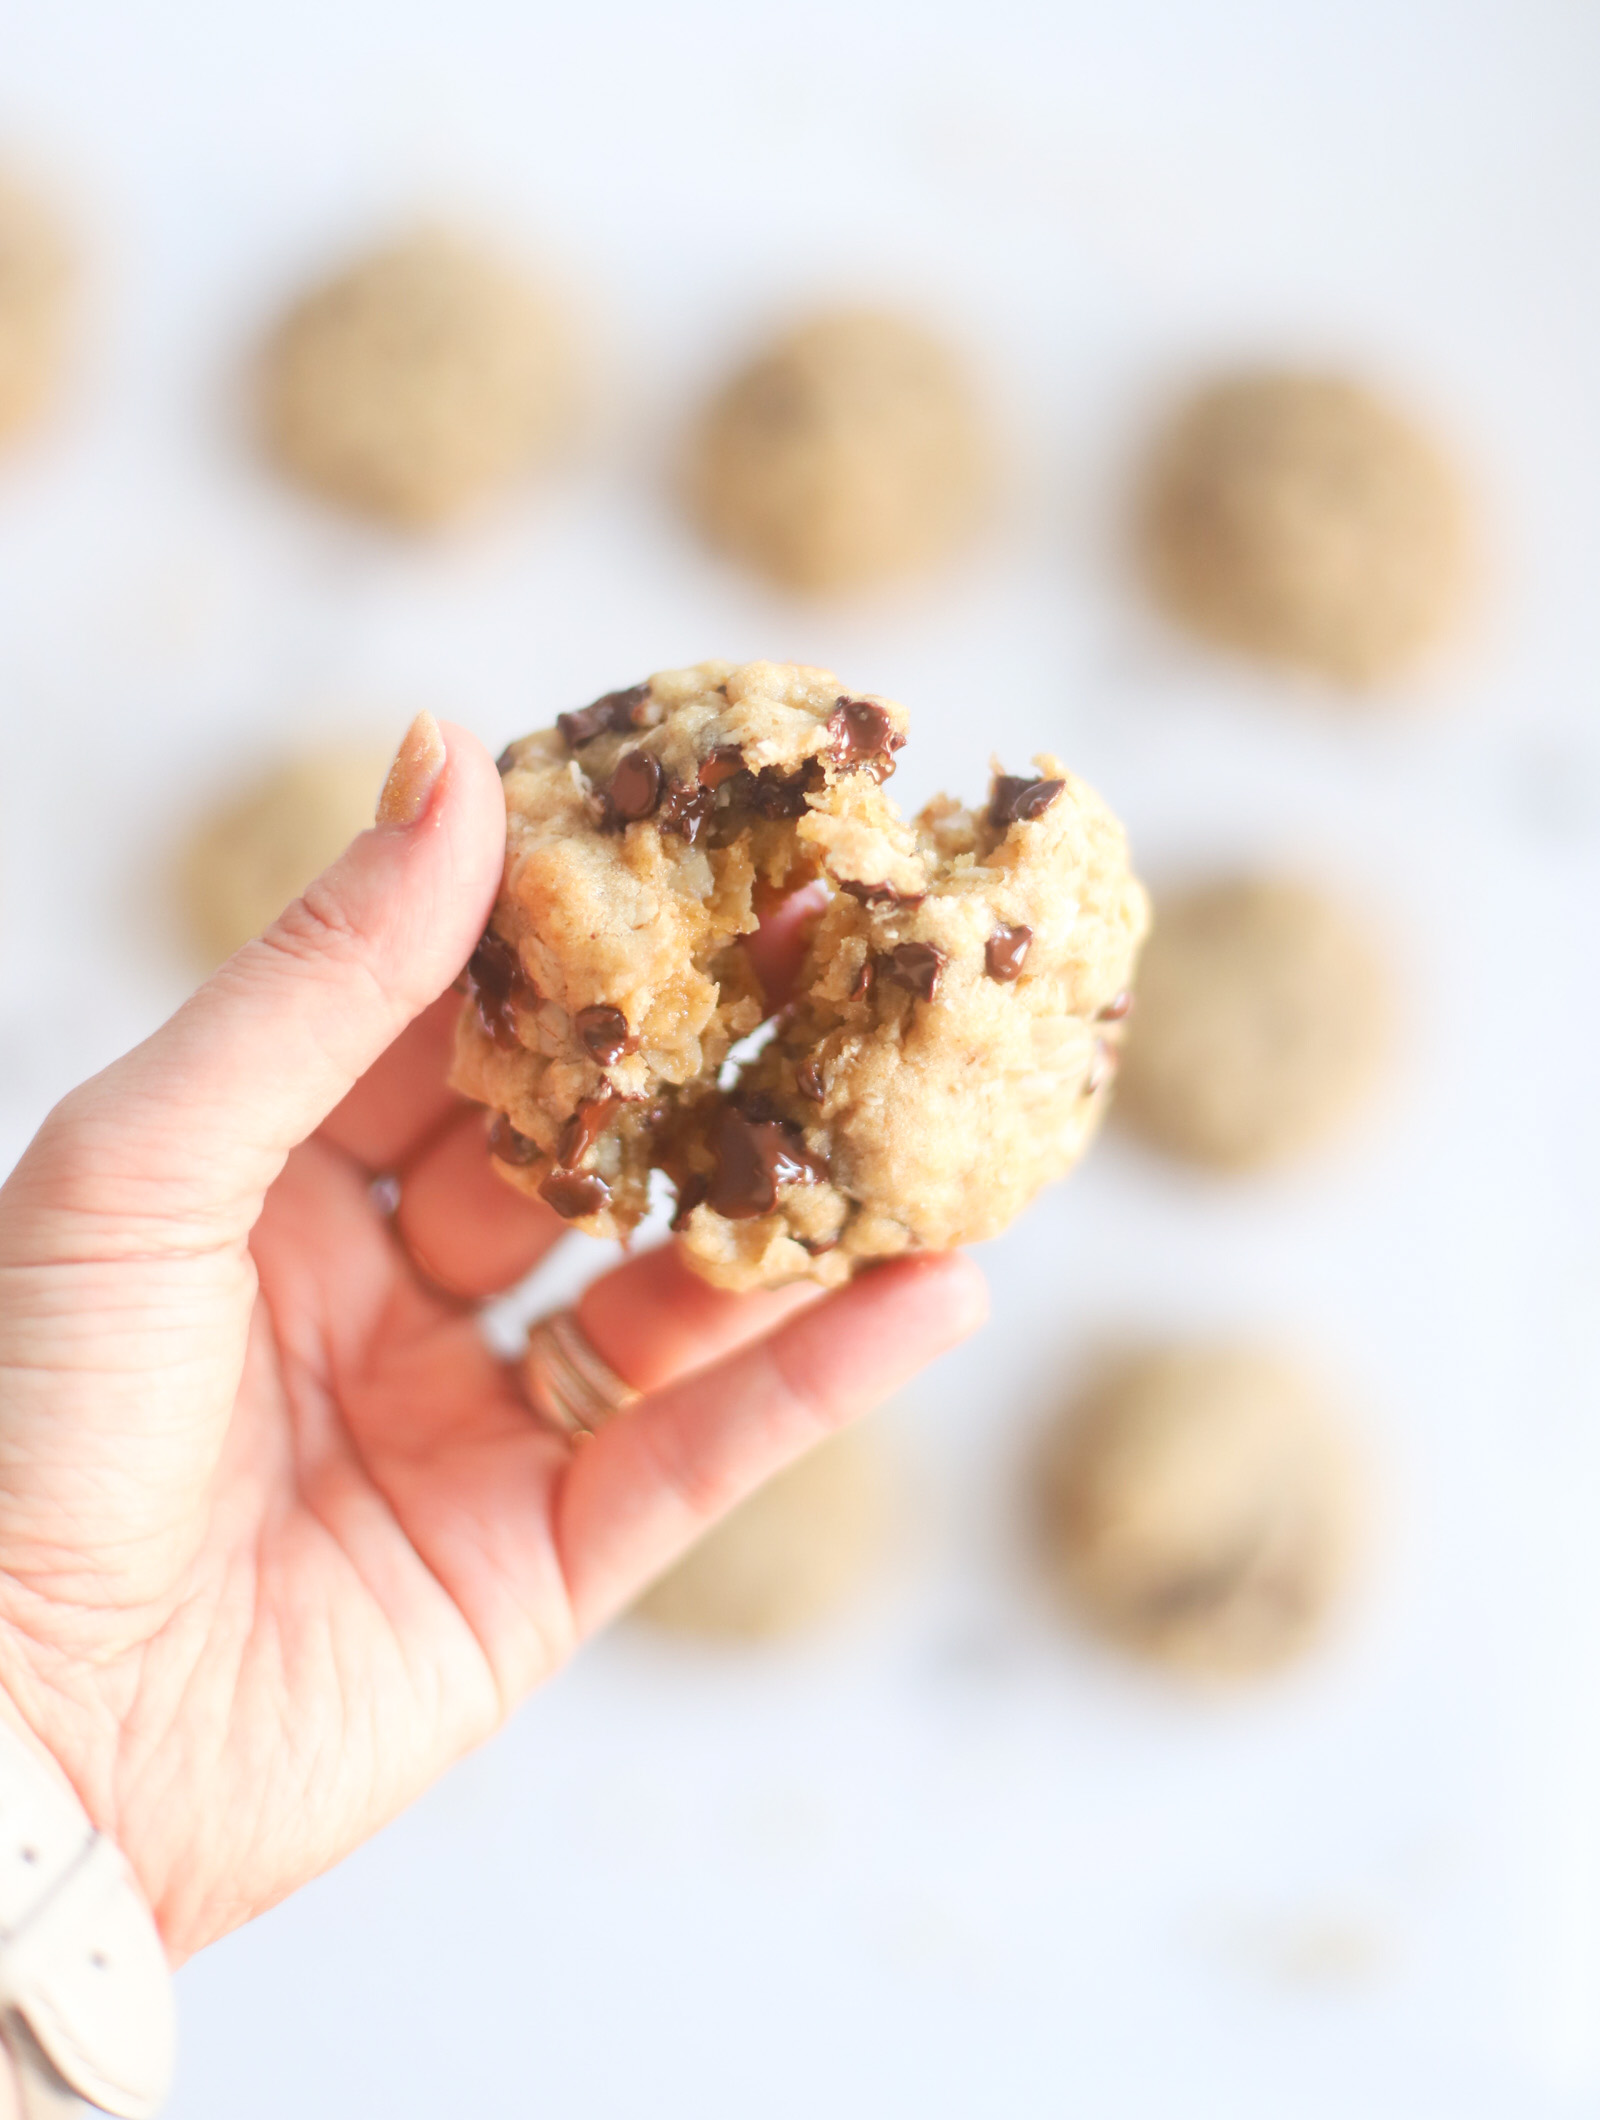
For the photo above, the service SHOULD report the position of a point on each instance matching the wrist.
(85, 1994)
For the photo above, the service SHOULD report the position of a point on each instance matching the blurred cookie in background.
(1263, 1020)
(791, 1556)
(36, 281)
(420, 381)
(852, 452)
(1301, 519)
(254, 855)
(1200, 1508)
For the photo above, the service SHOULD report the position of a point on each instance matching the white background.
(946, 1860)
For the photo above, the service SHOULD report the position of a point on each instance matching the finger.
(469, 1231)
(651, 1482)
(402, 1098)
(179, 1141)
(777, 948)
(653, 1319)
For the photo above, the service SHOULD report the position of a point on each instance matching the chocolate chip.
(507, 759)
(1004, 951)
(497, 982)
(862, 985)
(574, 1193)
(634, 788)
(583, 1129)
(754, 1157)
(510, 1146)
(684, 809)
(603, 1033)
(1018, 800)
(726, 760)
(913, 964)
(1114, 1011)
(863, 735)
(808, 1079)
(881, 894)
(614, 712)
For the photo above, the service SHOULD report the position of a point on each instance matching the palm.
(378, 1583)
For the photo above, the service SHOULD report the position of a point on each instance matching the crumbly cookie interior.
(955, 1022)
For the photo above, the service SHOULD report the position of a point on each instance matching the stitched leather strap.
(85, 1994)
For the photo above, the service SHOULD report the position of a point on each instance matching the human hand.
(279, 1536)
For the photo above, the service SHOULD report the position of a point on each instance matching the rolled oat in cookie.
(952, 1032)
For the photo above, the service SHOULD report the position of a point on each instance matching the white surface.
(949, 1862)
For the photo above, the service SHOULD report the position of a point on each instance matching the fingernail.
(414, 774)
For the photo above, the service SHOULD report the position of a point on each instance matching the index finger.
(651, 1481)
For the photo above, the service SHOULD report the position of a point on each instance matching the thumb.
(194, 1125)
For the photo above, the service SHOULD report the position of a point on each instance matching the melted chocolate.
(726, 760)
(583, 1129)
(692, 1189)
(574, 1193)
(772, 793)
(510, 1146)
(916, 965)
(1114, 1011)
(684, 809)
(613, 713)
(863, 735)
(882, 894)
(1018, 800)
(603, 1033)
(808, 1079)
(506, 760)
(497, 982)
(1004, 951)
(862, 984)
(634, 788)
(755, 1156)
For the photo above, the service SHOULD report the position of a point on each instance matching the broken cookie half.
(951, 1035)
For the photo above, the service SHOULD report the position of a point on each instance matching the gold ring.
(566, 1382)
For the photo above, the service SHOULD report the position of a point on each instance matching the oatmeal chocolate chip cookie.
(956, 1019)
(1198, 1507)
(419, 380)
(244, 864)
(35, 289)
(1263, 1021)
(790, 1556)
(851, 452)
(1300, 519)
